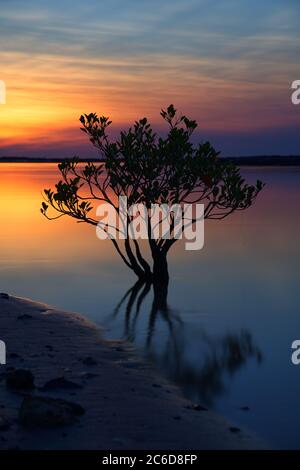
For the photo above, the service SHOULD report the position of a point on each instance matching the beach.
(119, 401)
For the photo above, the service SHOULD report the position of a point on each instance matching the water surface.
(233, 308)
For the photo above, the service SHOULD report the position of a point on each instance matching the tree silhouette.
(148, 170)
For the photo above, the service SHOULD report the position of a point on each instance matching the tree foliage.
(148, 169)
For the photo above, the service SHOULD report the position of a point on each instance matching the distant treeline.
(41, 160)
(272, 160)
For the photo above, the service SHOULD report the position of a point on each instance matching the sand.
(128, 405)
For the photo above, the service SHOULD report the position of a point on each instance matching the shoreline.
(125, 403)
(267, 161)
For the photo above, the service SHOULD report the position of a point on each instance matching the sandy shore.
(127, 404)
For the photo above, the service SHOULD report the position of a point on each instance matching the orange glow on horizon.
(46, 94)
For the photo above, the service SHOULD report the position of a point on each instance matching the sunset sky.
(228, 64)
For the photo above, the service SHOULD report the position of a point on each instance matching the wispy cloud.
(229, 64)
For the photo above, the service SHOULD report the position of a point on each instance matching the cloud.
(228, 64)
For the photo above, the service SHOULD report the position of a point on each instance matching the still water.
(233, 308)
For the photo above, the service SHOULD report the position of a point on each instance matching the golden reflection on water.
(25, 234)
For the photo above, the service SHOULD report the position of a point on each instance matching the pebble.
(20, 379)
(4, 424)
(89, 361)
(48, 412)
(234, 429)
(25, 317)
(3, 295)
(60, 383)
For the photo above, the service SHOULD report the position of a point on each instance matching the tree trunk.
(160, 269)
(159, 278)
(160, 282)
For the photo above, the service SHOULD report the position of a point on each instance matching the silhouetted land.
(263, 160)
(12, 159)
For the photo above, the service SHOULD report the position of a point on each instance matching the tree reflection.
(200, 363)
